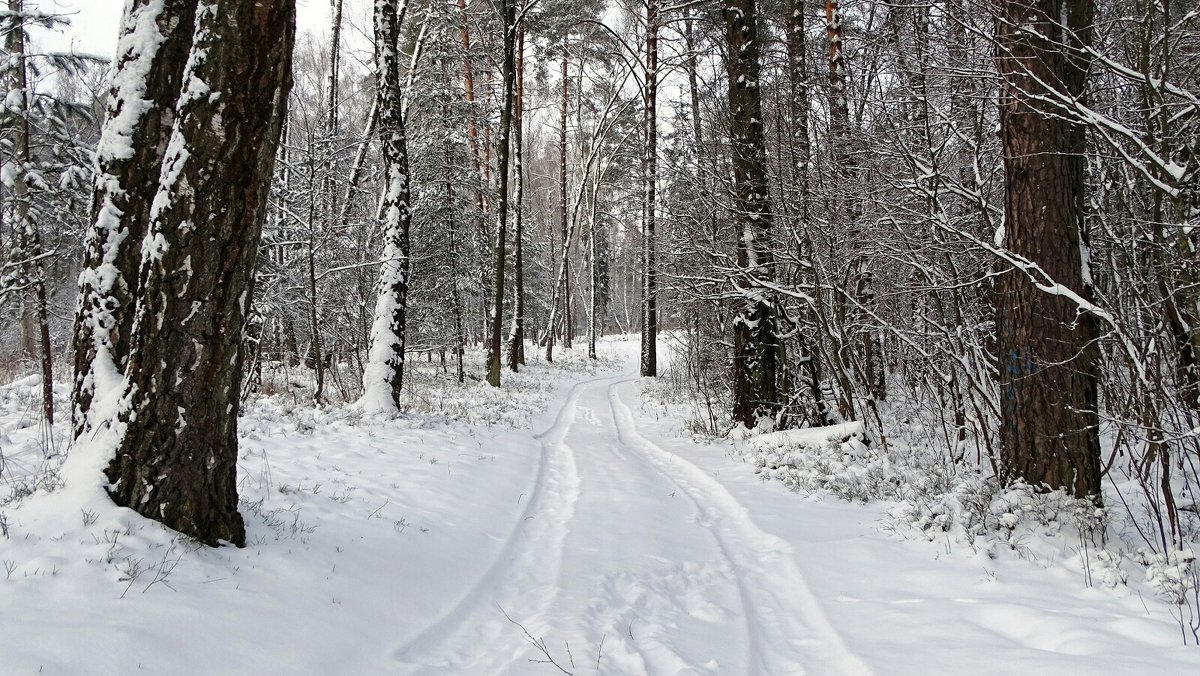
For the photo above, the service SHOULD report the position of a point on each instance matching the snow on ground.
(562, 525)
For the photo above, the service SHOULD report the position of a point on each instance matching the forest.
(939, 254)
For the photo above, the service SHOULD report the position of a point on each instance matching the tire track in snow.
(653, 655)
(474, 636)
(789, 633)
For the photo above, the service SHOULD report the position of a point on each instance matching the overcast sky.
(94, 23)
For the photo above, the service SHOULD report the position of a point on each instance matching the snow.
(565, 512)
(813, 436)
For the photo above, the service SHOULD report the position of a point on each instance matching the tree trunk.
(649, 353)
(593, 272)
(508, 18)
(755, 345)
(567, 327)
(1048, 372)
(28, 241)
(807, 335)
(332, 75)
(176, 460)
(477, 164)
(141, 110)
(561, 290)
(516, 336)
(384, 378)
(314, 324)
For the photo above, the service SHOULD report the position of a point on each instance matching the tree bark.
(807, 336)
(384, 378)
(516, 336)
(176, 460)
(508, 19)
(755, 346)
(649, 353)
(1048, 373)
(28, 241)
(141, 110)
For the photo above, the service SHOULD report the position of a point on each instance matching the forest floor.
(567, 526)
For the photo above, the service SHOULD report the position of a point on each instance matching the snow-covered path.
(601, 539)
(632, 558)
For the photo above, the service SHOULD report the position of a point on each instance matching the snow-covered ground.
(563, 526)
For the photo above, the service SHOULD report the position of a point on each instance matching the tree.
(151, 53)
(1047, 350)
(175, 457)
(516, 333)
(384, 376)
(27, 256)
(508, 26)
(649, 351)
(755, 353)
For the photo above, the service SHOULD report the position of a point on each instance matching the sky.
(94, 23)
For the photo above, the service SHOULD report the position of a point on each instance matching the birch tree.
(383, 378)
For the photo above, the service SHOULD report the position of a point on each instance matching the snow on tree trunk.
(516, 334)
(1047, 349)
(176, 453)
(148, 73)
(384, 375)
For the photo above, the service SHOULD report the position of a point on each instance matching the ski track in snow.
(788, 632)
(634, 597)
(474, 636)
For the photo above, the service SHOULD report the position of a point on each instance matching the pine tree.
(507, 10)
(1048, 390)
(755, 352)
(649, 347)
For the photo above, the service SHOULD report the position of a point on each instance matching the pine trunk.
(28, 240)
(649, 352)
(508, 18)
(1047, 350)
(755, 348)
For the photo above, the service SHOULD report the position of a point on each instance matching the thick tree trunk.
(1047, 350)
(755, 348)
(649, 351)
(176, 461)
(152, 50)
(383, 380)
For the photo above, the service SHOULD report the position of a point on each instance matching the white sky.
(94, 23)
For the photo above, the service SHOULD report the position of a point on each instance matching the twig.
(538, 643)
(385, 504)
